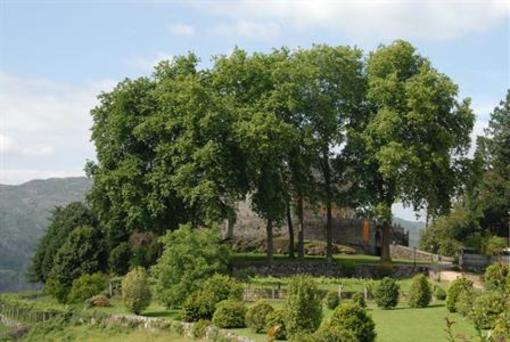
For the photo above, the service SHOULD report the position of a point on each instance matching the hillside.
(24, 211)
(414, 229)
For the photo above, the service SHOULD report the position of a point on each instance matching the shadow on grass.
(436, 305)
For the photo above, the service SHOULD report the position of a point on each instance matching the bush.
(87, 286)
(332, 300)
(487, 308)
(303, 305)
(98, 301)
(119, 258)
(257, 314)
(351, 322)
(439, 293)
(275, 323)
(136, 293)
(189, 257)
(359, 299)
(496, 276)
(201, 304)
(501, 331)
(420, 293)
(464, 302)
(454, 290)
(229, 314)
(386, 293)
(198, 330)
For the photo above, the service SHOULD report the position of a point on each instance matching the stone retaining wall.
(404, 252)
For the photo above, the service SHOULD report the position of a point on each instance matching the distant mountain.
(414, 229)
(24, 212)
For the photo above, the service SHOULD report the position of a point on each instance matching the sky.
(57, 56)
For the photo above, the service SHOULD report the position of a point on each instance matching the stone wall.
(404, 252)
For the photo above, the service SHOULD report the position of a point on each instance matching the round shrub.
(98, 301)
(229, 314)
(304, 308)
(454, 290)
(420, 293)
(201, 304)
(257, 314)
(496, 277)
(359, 299)
(275, 322)
(332, 300)
(487, 308)
(386, 293)
(352, 320)
(439, 293)
(501, 330)
(86, 286)
(464, 302)
(198, 330)
(136, 293)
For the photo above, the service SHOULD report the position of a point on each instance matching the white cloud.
(48, 120)
(146, 64)
(181, 29)
(251, 30)
(370, 20)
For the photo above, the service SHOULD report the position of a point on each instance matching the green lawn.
(3, 328)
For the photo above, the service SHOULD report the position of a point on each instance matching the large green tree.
(415, 133)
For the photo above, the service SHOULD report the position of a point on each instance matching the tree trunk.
(291, 232)
(301, 229)
(327, 185)
(269, 232)
(385, 242)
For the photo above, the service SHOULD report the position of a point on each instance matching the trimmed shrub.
(304, 308)
(257, 314)
(198, 330)
(86, 286)
(420, 293)
(332, 300)
(439, 293)
(465, 300)
(201, 304)
(98, 301)
(454, 290)
(496, 277)
(387, 293)
(359, 299)
(229, 314)
(136, 293)
(487, 308)
(351, 323)
(275, 322)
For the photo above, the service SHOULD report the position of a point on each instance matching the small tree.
(352, 320)
(387, 293)
(229, 314)
(86, 286)
(458, 285)
(303, 305)
(119, 259)
(359, 299)
(332, 300)
(136, 293)
(420, 293)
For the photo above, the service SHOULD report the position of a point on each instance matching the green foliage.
(465, 300)
(136, 292)
(86, 286)
(229, 314)
(386, 293)
(332, 300)
(420, 293)
(189, 257)
(62, 222)
(359, 299)
(119, 258)
(303, 305)
(497, 277)
(82, 253)
(256, 316)
(201, 304)
(493, 245)
(276, 320)
(487, 308)
(198, 330)
(351, 320)
(502, 327)
(456, 287)
(439, 293)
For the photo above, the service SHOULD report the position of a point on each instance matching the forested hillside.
(24, 211)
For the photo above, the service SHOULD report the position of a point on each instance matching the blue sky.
(56, 56)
